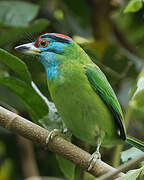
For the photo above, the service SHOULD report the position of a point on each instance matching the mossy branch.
(37, 134)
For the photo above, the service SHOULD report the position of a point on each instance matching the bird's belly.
(84, 113)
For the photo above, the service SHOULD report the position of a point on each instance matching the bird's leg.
(96, 155)
(52, 134)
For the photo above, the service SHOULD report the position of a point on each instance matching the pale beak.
(28, 48)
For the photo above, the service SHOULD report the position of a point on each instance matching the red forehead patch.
(56, 34)
(37, 40)
(61, 35)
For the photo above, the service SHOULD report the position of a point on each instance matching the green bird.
(80, 91)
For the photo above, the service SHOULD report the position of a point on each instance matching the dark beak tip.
(16, 48)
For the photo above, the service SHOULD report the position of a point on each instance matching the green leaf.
(136, 103)
(6, 169)
(138, 96)
(131, 175)
(141, 176)
(131, 153)
(35, 105)
(77, 9)
(15, 33)
(16, 65)
(133, 6)
(15, 13)
(67, 167)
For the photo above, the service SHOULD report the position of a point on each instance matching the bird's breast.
(80, 107)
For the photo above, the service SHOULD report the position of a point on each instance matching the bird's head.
(47, 44)
(52, 49)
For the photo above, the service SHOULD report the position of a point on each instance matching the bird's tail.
(136, 143)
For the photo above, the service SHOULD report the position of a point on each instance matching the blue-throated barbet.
(81, 93)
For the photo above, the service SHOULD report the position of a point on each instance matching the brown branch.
(123, 167)
(100, 18)
(58, 145)
(28, 161)
(122, 39)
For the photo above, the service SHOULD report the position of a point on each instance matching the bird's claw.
(67, 133)
(52, 134)
(96, 155)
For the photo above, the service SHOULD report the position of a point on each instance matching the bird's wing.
(102, 87)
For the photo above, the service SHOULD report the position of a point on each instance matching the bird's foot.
(52, 134)
(67, 133)
(94, 157)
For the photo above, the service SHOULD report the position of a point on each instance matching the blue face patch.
(55, 47)
(51, 65)
(47, 57)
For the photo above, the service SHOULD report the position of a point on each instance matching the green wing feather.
(102, 87)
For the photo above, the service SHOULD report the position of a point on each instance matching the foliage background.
(113, 39)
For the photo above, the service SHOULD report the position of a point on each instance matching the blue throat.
(51, 65)
(49, 57)
(51, 71)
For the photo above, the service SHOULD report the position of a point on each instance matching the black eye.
(43, 43)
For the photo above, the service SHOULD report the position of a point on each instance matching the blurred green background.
(115, 42)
